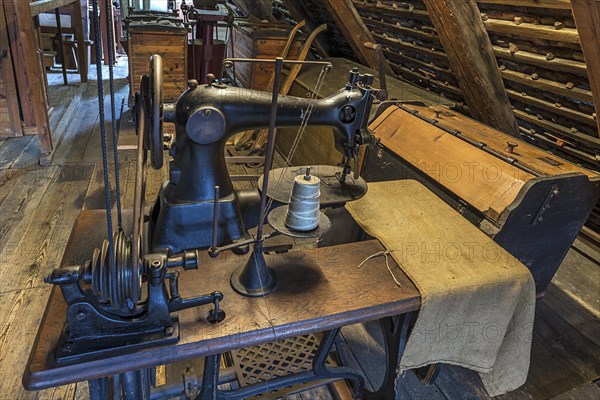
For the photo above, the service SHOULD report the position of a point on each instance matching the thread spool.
(303, 209)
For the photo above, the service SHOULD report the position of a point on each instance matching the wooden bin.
(531, 202)
(167, 39)
(266, 41)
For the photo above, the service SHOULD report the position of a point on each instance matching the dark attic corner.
(282, 199)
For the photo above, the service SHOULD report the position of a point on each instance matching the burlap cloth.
(477, 301)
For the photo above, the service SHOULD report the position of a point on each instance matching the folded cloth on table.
(477, 300)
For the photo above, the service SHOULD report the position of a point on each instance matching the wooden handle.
(372, 46)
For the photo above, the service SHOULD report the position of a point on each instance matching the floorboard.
(589, 391)
(19, 206)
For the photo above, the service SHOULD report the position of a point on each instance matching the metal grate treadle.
(262, 363)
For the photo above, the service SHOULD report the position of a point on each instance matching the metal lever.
(213, 244)
(383, 95)
(179, 303)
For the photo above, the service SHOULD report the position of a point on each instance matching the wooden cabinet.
(261, 41)
(166, 40)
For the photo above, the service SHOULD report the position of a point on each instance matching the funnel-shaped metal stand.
(254, 279)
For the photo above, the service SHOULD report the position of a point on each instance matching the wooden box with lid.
(531, 202)
(165, 38)
(260, 40)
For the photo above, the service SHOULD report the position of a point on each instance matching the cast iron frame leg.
(134, 385)
(98, 389)
(395, 331)
(320, 367)
(210, 378)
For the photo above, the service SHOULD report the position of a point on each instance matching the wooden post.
(462, 33)
(356, 33)
(10, 123)
(30, 74)
(78, 21)
(587, 18)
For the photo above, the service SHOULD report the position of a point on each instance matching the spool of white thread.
(303, 208)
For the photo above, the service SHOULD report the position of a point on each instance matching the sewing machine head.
(205, 117)
(208, 115)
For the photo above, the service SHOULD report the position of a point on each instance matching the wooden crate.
(265, 41)
(531, 202)
(168, 41)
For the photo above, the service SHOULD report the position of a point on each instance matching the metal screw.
(68, 346)
(80, 316)
(169, 331)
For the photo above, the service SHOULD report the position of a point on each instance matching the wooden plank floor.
(38, 207)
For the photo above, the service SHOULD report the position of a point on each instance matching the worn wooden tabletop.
(318, 290)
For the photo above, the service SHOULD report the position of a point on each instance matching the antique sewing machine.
(127, 298)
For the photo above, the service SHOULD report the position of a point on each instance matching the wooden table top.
(318, 290)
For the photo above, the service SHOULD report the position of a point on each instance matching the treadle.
(271, 360)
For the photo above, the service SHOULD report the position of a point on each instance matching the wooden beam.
(356, 33)
(402, 30)
(555, 64)
(258, 8)
(547, 85)
(40, 6)
(30, 74)
(552, 107)
(587, 18)
(398, 12)
(556, 4)
(532, 31)
(415, 48)
(469, 50)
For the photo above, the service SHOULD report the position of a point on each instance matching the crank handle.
(179, 304)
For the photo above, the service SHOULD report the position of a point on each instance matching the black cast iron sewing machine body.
(206, 116)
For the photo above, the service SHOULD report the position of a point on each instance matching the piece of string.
(386, 254)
